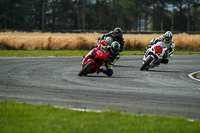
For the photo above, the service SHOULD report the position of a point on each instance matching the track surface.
(166, 90)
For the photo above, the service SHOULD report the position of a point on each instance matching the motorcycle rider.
(113, 49)
(116, 35)
(167, 40)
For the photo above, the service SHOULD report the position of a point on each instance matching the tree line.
(82, 15)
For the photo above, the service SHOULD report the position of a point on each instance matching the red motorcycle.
(94, 60)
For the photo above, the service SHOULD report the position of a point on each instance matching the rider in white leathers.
(167, 40)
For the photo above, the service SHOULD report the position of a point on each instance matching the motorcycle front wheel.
(149, 60)
(85, 68)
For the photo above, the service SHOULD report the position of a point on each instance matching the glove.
(148, 47)
(152, 42)
(91, 47)
(101, 37)
(94, 46)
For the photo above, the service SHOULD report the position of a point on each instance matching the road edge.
(194, 75)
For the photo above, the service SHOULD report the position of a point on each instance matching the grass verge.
(41, 53)
(198, 75)
(45, 53)
(21, 117)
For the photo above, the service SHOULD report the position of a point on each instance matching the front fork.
(152, 63)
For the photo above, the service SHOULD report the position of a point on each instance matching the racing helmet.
(117, 32)
(108, 40)
(168, 36)
(115, 47)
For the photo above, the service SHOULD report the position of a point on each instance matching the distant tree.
(77, 14)
(83, 14)
(43, 9)
(97, 14)
(195, 15)
(63, 15)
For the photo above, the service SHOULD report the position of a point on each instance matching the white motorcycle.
(153, 56)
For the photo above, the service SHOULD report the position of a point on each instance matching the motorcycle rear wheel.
(149, 60)
(85, 68)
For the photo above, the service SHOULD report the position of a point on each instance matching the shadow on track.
(98, 76)
(126, 66)
(102, 76)
(164, 71)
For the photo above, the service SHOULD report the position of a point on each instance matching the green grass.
(198, 75)
(186, 52)
(45, 53)
(20, 117)
(41, 53)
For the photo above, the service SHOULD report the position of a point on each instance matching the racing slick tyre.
(146, 63)
(85, 68)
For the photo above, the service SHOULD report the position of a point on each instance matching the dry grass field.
(75, 41)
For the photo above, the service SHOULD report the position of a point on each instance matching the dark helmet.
(117, 31)
(115, 47)
(168, 36)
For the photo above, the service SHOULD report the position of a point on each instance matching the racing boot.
(100, 70)
(108, 72)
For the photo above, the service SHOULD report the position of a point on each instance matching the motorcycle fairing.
(158, 50)
(97, 56)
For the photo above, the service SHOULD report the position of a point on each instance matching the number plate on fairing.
(158, 50)
(99, 53)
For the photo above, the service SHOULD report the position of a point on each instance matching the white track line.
(100, 111)
(192, 77)
(79, 109)
(86, 110)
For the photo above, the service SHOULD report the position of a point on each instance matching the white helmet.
(168, 36)
(108, 40)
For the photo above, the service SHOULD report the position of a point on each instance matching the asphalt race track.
(165, 90)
